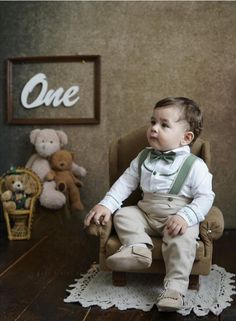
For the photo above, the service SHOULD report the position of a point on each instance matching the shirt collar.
(181, 150)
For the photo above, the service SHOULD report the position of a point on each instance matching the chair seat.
(113, 244)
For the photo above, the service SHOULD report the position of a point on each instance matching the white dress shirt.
(157, 177)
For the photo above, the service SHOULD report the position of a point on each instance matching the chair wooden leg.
(118, 278)
(193, 282)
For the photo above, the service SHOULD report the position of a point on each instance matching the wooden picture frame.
(85, 69)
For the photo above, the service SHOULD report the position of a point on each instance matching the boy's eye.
(153, 122)
(164, 125)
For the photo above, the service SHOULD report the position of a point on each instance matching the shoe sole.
(163, 308)
(168, 309)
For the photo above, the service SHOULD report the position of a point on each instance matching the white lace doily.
(95, 288)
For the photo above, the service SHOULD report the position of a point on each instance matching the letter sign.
(47, 97)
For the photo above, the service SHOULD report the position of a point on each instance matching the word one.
(48, 97)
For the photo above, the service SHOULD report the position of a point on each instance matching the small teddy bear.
(61, 164)
(15, 196)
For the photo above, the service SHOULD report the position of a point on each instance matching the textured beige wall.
(149, 50)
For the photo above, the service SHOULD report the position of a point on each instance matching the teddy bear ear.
(33, 135)
(62, 137)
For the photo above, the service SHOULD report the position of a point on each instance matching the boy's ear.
(187, 138)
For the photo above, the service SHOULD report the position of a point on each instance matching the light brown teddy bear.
(61, 164)
(16, 196)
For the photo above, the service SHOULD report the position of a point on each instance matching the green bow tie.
(167, 157)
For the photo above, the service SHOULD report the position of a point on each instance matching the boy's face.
(167, 131)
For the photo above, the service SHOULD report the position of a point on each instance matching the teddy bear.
(61, 164)
(15, 196)
(46, 142)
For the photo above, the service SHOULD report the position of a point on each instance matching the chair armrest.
(213, 226)
(102, 231)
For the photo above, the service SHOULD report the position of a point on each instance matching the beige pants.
(135, 224)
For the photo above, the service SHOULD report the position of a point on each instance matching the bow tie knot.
(167, 157)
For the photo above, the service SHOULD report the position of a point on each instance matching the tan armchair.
(122, 151)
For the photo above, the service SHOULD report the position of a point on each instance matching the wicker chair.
(122, 151)
(19, 222)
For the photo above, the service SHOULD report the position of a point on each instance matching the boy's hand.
(176, 225)
(99, 214)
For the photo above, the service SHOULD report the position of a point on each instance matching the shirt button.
(170, 199)
(154, 173)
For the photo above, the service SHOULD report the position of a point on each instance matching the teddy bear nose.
(62, 164)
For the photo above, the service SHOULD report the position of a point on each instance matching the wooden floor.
(34, 274)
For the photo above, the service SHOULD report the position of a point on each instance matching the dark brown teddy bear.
(61, 164)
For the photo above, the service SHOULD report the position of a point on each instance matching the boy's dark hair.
(190, 112)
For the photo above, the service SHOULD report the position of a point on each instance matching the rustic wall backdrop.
(149, 50)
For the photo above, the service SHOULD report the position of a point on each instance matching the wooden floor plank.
(224, 253)
(7, 267)
(49, 305)
(24, 283)
(116, 315)
(225, 256)
(137, 315)
(44, 223)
